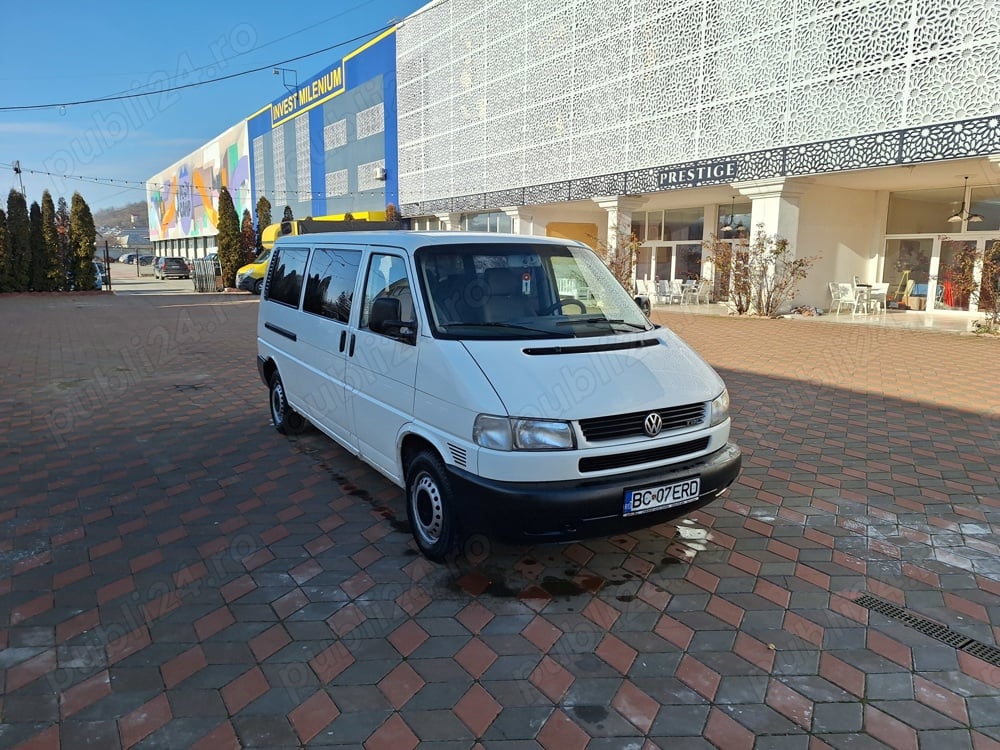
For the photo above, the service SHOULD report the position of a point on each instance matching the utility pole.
(17, 171)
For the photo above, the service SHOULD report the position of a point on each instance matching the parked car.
(100, 275)
(176, 268)
(128, 258)
(146, 260)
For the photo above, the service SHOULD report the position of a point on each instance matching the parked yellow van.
(251, 276)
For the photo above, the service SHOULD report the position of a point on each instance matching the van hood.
(593, 377)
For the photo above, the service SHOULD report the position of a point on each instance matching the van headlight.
(719, 408)
(516, 434)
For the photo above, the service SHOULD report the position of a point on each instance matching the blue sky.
(59, 51)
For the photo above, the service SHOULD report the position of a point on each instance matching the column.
(775, 206)
(522, 221)
(619, 229)
(450, 221)
(620, 209)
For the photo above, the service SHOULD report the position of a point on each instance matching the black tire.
(286, 420)
(430, 506)
(257, 286)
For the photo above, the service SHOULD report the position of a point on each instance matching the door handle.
(343, 340)
(350, 353)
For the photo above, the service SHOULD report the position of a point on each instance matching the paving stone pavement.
(176, 574)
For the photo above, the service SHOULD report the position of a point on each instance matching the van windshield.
(496, 290)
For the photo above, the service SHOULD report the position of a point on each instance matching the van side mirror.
(385, 319)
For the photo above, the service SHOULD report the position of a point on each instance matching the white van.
(508, 383)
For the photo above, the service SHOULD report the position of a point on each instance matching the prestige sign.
(712, 171)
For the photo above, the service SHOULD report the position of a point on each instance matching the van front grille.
(631, 425)
(660, 453)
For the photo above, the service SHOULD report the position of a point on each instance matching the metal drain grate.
(953, 638)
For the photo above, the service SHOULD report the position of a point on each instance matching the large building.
(866, 133)
(325, 146)
(848, 128)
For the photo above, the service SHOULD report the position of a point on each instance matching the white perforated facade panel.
(526, 92)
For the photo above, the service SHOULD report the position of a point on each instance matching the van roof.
(413, 239)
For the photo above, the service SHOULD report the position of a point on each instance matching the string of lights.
(142, 185)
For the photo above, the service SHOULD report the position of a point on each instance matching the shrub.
(985, 293)
(757, 277)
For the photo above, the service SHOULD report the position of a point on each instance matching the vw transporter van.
(507, 383)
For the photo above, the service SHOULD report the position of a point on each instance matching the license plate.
(665, 496)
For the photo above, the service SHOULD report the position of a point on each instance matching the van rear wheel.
(429, 506)
(286, 420)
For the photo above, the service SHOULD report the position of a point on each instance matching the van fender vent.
(984, 651)
(458, 455)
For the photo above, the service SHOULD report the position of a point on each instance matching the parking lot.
(174, 573)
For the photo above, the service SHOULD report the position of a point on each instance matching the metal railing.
(207, 275)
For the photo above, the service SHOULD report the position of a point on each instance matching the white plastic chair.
(690, 292)
(704, 289)
(670, 291)
(842, 294)
(877, 297)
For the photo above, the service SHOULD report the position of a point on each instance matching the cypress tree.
(17, 268)
(3, 251)
(63, 256)
(50, 238)
(230, 253)
(248, 239)
(263, 220)
(82, 235)
(38, 279)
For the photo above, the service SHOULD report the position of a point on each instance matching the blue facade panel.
(329, 146)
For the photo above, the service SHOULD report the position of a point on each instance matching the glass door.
(955, 274)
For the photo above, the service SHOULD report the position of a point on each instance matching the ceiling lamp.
(729, 224)
(962, 214)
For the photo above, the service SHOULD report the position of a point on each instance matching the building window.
(336, 183)
(335, 135)
(258, 158)
(303, 162)
(428, 223)
(367, 179)
(493, 221)
(370, 121)
(734, 221)
(923, 211)
(280, 184)
(985, 202)
(669, 225)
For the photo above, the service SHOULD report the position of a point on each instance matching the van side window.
(330, 282)
(387, 278)
(284, 282)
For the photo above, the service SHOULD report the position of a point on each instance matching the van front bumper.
(583, 508)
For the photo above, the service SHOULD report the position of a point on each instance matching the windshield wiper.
(609, 321)
(517, 326)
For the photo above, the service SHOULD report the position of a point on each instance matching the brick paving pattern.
(174, 573)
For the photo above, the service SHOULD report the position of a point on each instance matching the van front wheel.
(257, 286)
(286, 420)
(429, 503)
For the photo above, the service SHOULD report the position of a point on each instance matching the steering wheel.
(559, 303)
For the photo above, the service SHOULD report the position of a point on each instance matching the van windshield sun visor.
(592, 348)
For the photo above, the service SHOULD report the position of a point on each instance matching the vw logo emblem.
(653, 424)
